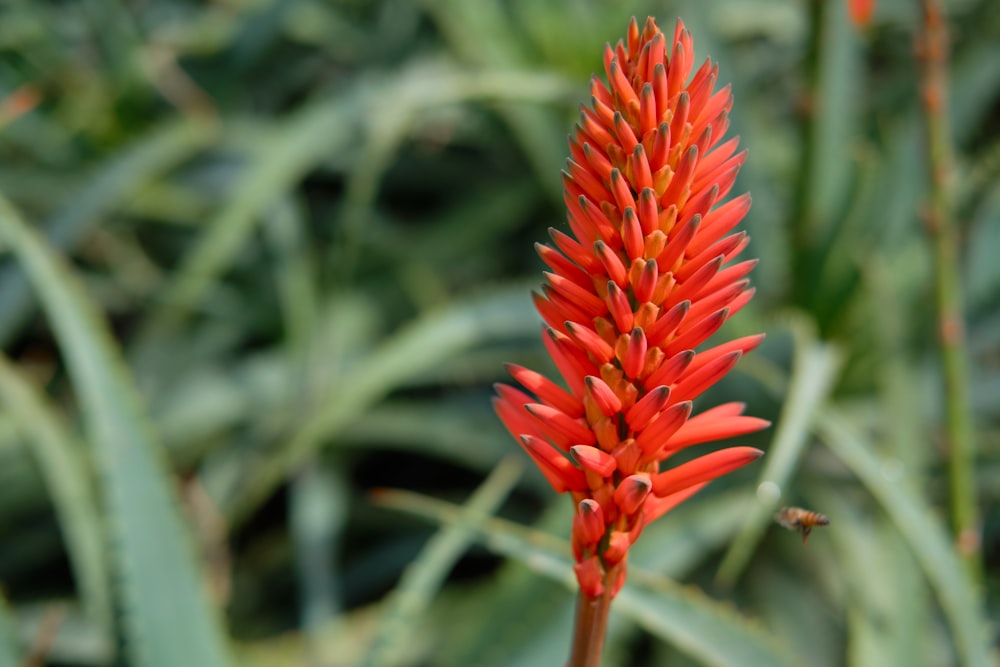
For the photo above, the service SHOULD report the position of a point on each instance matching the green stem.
(591, 624)
(947, 292)
(801, 222)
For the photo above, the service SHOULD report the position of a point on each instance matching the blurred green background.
(263, 260)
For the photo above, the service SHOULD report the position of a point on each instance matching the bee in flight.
(796, 518)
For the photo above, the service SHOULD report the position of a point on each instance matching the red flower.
(860, 11)
(644, 279)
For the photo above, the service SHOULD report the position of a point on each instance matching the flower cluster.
(645, 277)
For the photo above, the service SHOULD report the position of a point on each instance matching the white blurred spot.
(768, 493)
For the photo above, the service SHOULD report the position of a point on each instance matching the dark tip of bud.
(639, 483)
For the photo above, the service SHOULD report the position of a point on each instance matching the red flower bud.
(618, 545)
(590, 576)
(632, 492)
(703, 469)
(593, 459)
(588, 523)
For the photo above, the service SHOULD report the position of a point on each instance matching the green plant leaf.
(685, 617)
(424, 577)
(886, 596)
(927, 538)
(695, 529)
(65, 467)
(813, 376)
(530, 617)
(303, 139)
(786, 600)
(318, 502)
(705, 629)
(77, 640)
(482, 34)
(127, 171)
(168, 619)
(9, 651)
(415, 349)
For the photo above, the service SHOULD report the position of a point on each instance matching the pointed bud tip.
(594, 459)
(589, 506)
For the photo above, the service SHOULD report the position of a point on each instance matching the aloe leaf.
(482, 34)
(530, 617)
(277, 163)
(168, 619)
(64, 634)
(786, 599)
(694, 530)
(65, 467)
(306, 138)
(126, 172)
(883, 581)
(424, 577)
(415, 349)
(927, 538)
(704, 629)
(318, 513)
(9, 649)
(812, 380)
(530, 620)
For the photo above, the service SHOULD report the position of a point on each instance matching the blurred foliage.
(264, 259)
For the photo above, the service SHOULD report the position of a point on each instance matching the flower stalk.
(645, 276)
(940, 225)
(590, 626)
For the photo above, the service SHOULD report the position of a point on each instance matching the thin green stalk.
(802, 222)
(933, 47)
